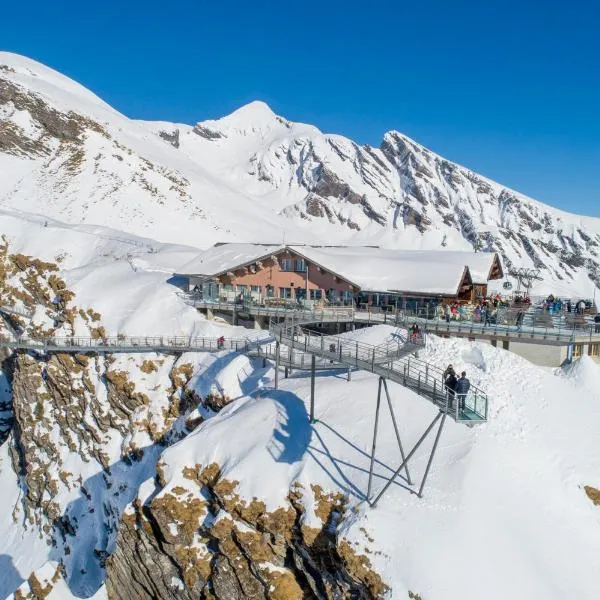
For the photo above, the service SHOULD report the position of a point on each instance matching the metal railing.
(529, 328)
(129, 344)
(532, 326)
(19, 312)
(427, 380)
(395, 363)
(391, 360)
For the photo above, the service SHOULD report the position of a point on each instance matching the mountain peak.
(252, 118)
(257, 109)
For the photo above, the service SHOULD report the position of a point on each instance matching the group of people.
(486, 312)
(456, 386)
(555, 305)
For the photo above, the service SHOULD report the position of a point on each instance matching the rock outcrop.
(204, 541)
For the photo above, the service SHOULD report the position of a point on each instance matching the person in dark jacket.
(449, 370)
(462, 389)
(597, 323)
(449, 378)
(450, 383)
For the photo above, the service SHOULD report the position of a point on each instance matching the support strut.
(387, 393)
(441, 415)
(277, 360)
(312, 388)
(374, 439)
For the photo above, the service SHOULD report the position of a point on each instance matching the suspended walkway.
(292, 345)
(533, 328)
(16, 312)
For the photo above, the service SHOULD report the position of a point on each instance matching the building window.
(285, 292)
(316, 294)
(577, 350)
(228, 287)
(594, 349)
(287, 264)
(270, 291)
(300, 265)
(255, 289)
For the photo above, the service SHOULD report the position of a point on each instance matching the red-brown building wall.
(270, 274)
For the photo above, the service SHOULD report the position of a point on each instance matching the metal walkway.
(392, 362)
(11, 310)
(306, 350)
(531, 330)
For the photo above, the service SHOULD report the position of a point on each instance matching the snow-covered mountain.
(174, 477)
(255, 176)
(162, 476)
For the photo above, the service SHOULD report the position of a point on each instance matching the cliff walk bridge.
(292, 344)
(535, 326)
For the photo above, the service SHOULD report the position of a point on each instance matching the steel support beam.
(389, 400)
(410, 455)
(373, 448)
(277, 360)
(312, 388)
(435, 444)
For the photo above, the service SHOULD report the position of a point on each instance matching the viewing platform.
(542, 340)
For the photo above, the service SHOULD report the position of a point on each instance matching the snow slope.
(504, 512)
(123, 277)
(255, 176)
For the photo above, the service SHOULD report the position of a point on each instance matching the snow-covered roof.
(223, 257)
(480, 263)
(379, 269)
(369, 268)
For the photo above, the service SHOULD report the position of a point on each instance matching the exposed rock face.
(593, 494)
(170, 136)
(204, 541)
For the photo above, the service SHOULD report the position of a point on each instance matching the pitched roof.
(369, 268)
(379, 269)
(224, 257)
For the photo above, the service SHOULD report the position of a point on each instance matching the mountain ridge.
(253, 175)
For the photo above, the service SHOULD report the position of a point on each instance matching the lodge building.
(341, 275)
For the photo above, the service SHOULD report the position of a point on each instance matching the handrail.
(529, 329)
(11, 310)
(399, 366)
(391, 360)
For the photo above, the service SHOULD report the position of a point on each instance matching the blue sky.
(509, 89)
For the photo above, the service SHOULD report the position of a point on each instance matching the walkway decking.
(551, 332)
(306, 350)
(396, 364)
(10, 310)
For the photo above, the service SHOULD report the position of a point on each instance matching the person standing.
(450, 383)
(519, 321)
(462, 389)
